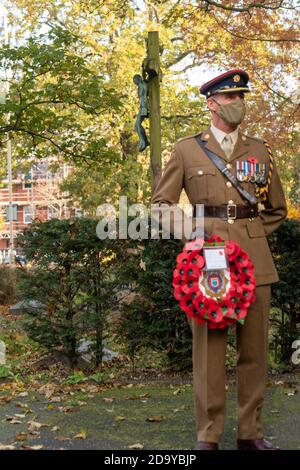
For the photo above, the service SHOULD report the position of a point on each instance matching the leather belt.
(230, 211)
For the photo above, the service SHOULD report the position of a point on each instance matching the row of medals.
(251, 172)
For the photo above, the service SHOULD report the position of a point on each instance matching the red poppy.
(178, 293)
(191, 288)
(182, 258)
(196, 260)
(200, 304)
(242, 260)
(213, 239)
(226, 308)
(215, 314)
(188, 270)
(186, 304)
(240, 311)
(252, 160)
(248, 282)
(232, 250)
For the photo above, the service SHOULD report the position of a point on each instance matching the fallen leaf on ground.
(143, 265)
(6, 399)
(136, 446)
(34, 425)
(55, 399)
(36, 447)
(92, 388)
(55, 428)
(291, 392)
(6, 447)
(81, 435)
(48, 390)
(108, 400)
(63, 438)
(13, 420)
(156, 419)
(181, 408)
(120, 418)
(24, 407)
(138, 397)
(21, 436)
(65, 409)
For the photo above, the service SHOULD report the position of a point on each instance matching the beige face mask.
(232, 113)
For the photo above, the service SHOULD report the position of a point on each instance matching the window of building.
(27, 214)
(53, 212)
(40, 170)
(27, 183)
(15, 213)
(78, 212)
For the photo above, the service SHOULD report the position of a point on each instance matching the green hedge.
(80, 279)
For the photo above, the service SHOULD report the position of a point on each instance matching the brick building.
(36, 195)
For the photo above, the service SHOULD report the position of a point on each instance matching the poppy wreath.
(223, 301)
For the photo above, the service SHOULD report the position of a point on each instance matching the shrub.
(154, 320)
(285, 245)
(74, 275)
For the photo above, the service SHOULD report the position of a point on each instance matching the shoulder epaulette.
(254, 137)
(189, 137)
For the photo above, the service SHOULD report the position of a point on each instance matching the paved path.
(117, 418)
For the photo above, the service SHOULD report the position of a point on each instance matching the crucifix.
(149, 98)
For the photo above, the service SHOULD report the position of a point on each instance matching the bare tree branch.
(283, 97)
(181, 56)
(262, 5)
(253, 38)
(153, 8)
(180, 116)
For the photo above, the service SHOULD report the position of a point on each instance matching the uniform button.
(244, 138)
(230, 202)
(228, 184)
(200, 172)
(229, 165)
(230, 221)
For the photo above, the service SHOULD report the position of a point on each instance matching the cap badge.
(236, 78)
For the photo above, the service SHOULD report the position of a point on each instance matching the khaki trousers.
(209, 351)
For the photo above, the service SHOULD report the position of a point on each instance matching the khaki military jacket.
(189, 168)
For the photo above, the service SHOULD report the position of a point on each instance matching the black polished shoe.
(201, 445)
(255, 444)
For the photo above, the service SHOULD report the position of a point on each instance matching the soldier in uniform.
(230, 216)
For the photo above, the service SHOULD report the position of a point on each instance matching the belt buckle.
(252, 217)
(231, 217)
